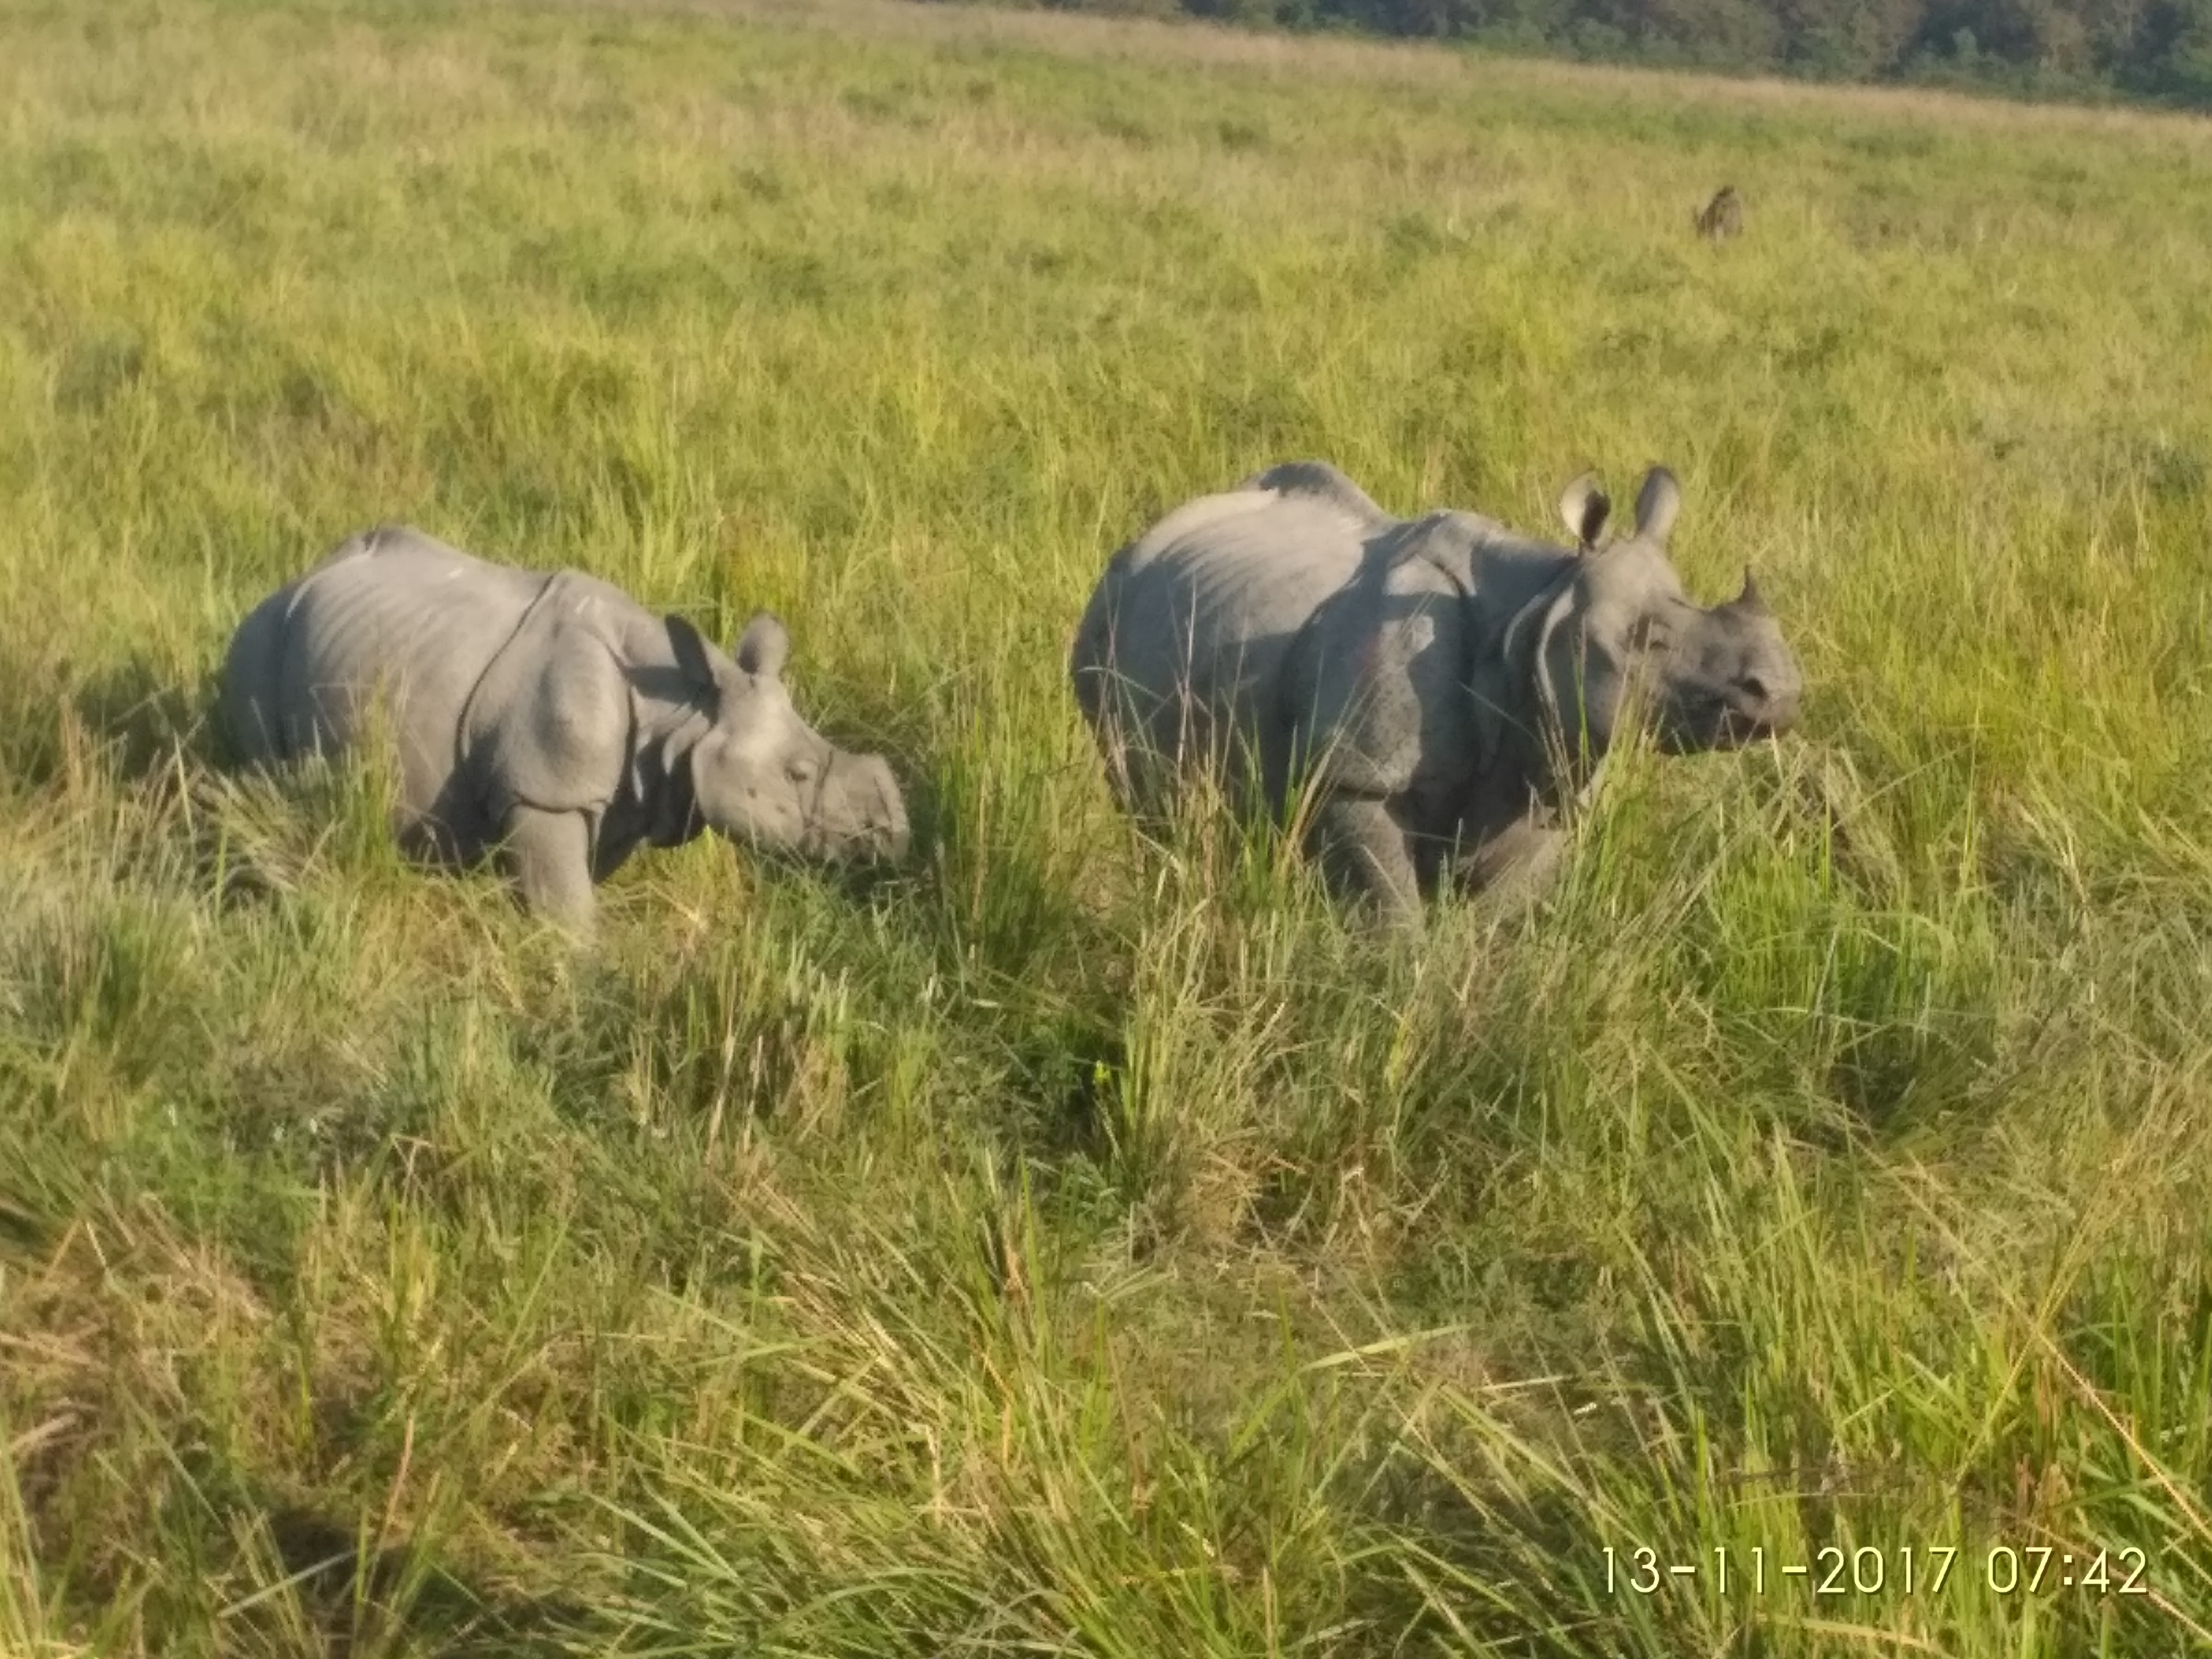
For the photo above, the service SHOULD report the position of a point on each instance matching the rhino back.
(391, 614)
(1186, 637)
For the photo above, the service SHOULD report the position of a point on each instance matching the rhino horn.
(1750, 598)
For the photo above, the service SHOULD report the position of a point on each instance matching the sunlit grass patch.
(1081, 1240)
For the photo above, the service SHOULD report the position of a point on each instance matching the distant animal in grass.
(545, 718)
(1722, 217)
(1435, 691)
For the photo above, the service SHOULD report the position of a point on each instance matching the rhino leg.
(548, 856)
(1364, 852)
(1515, 867)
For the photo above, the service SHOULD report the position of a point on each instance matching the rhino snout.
(890, 834)
(1757, 705)
(1769, 711)
(861, 814)
(1700, 713)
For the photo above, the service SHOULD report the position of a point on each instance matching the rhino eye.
(1653, 635)
(803, 771)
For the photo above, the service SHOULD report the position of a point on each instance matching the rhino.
(1426, 695)
(545, 718)
(1722, 217)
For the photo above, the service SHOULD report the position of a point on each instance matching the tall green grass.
(1066, 1244)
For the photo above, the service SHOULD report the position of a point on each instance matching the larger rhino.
(547, 718)
(1435, 690)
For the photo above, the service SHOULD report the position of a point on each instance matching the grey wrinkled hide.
(547, 718)
(1438, 688)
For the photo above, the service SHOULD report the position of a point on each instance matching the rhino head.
(1617, 644)
(761, 775)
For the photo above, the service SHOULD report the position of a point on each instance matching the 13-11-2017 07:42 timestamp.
(1867, 1570)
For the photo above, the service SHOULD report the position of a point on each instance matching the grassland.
(1062, 1245)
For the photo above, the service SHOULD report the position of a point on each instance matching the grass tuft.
(1078, 1241)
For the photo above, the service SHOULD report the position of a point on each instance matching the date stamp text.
(1868, 1570)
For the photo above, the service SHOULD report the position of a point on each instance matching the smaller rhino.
(1722, 217)
(545, 718)
(1435, 690)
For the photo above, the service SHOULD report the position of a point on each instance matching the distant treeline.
(2157, 49)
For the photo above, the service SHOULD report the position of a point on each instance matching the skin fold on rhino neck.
(657, 805)
(1509, 831)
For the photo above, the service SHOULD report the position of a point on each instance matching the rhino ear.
(1657, 504)
(764, 647)
(1582, 509)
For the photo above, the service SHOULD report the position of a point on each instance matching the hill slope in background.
(1062, 1246)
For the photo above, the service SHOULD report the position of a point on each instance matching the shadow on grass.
(143, 720)
(1071, 1066)
(127, 722)
(456, 1615)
